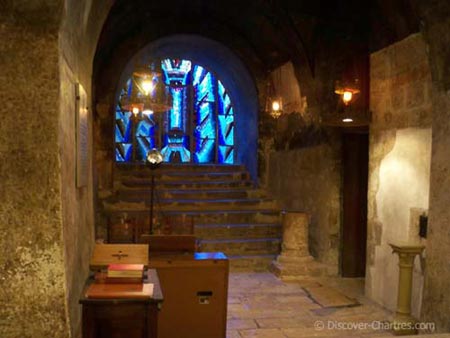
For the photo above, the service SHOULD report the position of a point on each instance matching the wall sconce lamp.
(274, 102)
(347, 90)
(276, 107)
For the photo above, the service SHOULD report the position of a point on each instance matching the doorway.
(355, 164)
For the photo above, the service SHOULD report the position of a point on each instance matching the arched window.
(199, 128)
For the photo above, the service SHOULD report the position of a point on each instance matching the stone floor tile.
(233, 334)
(278, 323)
(238, 324)
(234, 300)
(232, 308)
(262, 333)
(261, 305)
(262, 313)
(312, 332)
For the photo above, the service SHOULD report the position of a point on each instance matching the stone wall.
(77, 47)
(45, 221)
(436, 298)
(299, 159)
(308, 180)
(32, 278)
(399, 163)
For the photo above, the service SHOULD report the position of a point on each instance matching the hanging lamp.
(149, 94)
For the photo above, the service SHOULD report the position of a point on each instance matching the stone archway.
(231, 72)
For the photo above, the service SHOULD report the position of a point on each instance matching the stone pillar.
(295, 234)
(295, 260)
(403, 321)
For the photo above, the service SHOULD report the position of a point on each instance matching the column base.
(404, 325)
(292, 268)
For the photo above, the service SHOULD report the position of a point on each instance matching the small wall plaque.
(82, 136)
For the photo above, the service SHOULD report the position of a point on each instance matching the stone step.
(208, 204)
(110, 205)
(250, 263)
(188, 176)
(125, 169)
(228, 212)
(184, 184)
(249, 230)
(247, 246)
(226, 216)
(194, 193)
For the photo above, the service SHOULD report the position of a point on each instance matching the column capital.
(406, 248)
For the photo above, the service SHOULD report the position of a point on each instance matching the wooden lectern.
(195, 290)
(121, 310)
(195, 286)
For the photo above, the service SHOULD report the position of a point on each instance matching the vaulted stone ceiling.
(263, 33)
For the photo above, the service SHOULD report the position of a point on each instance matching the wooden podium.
(121, 310)
(195, 288)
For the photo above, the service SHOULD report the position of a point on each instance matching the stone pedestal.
(403, 322)
(295, 261)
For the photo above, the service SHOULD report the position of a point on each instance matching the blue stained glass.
(174, 149)
(129, 87)
(123, 152)
(221, 88)
(205, 124)
(224, 101)
(144, 145)
(204, 111)
(226, 132)
(176, 73)
(176, 111)
(123, 127)
(226, 154)
(198, 75)
(194, 90)
(145, 128)
(204, 151)
(205, 89)
(176, 70)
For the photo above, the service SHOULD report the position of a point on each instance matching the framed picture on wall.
(82, 135)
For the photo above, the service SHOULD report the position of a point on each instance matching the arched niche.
(231, 72)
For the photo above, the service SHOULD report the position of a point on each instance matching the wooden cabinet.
(195, 289)
(122, 317)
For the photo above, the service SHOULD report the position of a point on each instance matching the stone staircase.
(228, 212)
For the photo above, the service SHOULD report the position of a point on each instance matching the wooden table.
(122, 317)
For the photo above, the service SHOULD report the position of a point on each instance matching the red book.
(101, 277)
(126, 270)
(133, 291)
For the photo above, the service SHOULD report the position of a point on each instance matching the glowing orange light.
(347, 96)
(276, 106)
(135, 111)
(147, 87)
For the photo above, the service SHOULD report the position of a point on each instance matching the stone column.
(403, 321)
(295, 234)
(295, 260)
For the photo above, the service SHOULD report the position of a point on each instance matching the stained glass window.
(198, 128)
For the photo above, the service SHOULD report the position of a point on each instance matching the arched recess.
(228, 68)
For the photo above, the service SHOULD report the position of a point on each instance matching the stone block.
(415, 94)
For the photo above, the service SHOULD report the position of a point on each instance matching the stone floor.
(260, 305)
